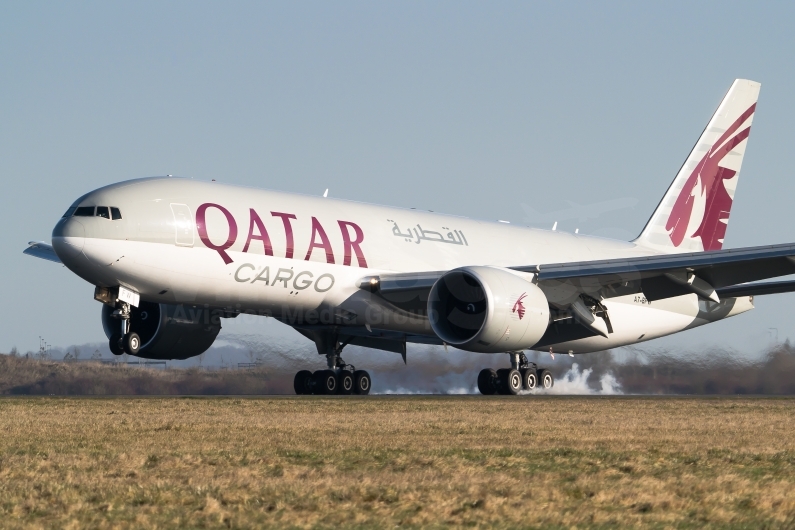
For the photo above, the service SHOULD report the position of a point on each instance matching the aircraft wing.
(668, 275)
(42, 250)
(707, 274)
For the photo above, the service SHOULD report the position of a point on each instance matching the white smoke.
(575, 382)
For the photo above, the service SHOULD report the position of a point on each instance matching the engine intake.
(487, 310)
(168, 331)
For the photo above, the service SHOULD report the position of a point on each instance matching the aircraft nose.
(68, 238)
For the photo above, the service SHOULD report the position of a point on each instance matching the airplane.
(170, 258)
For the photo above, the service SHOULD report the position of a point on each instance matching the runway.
(397, 460)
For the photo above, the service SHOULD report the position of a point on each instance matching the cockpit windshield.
(105, 212)
(84, 211)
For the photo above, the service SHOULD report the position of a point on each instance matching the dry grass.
(397, 461)
(22, 376)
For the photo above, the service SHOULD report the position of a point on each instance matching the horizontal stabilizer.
(40, 249)
(757, 289)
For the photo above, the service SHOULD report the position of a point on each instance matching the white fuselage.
(265, 252)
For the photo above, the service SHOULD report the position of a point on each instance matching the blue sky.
(472, 108)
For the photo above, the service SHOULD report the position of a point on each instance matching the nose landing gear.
(125, 341)
(523, 375)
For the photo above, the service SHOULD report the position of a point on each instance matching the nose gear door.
(183, 225)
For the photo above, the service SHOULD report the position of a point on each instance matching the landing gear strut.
(125, 341)
(522, 375)
(339, 378)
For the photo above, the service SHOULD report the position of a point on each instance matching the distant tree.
(96, 356)
(14, 352)
(68, 356)
(77, 353)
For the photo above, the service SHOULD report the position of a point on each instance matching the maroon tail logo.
(518, 306)
(718, 203)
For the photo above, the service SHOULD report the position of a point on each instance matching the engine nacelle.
(168, 331)
(487, 310)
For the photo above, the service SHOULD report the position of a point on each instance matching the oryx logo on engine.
(518, 306)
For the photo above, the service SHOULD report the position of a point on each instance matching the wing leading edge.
(40, 249)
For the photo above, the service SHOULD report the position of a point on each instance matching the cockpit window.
(102, 211)
(84, 211)
(70, 211)
(115, 213)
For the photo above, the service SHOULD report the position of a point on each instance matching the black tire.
(132, 343)
(362, 382)
(115, 344)
(301, 382)
(325, 382)
(487, 382)
(545, 379)
(345, 382)
(501, 381)
(513, 382)
(529, 379)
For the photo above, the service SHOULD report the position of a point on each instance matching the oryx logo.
(717, 203)
(518, 306)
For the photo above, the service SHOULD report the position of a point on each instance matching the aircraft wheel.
(325, 382)
(115, 344)
(301, 382)
(513, 382)
(487, 382)
(529, 379)
(345, 382)
(132, 343)
(362, 382)
(545, 379)
(501, 381)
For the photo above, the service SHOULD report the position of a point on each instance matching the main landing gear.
(125, 341)
(339, 378)
(522, 375)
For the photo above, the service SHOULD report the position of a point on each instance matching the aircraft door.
(183, 225)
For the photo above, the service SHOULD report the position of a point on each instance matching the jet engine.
(168, 331)
(487, 310)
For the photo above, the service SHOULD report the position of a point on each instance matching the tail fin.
(694, 212)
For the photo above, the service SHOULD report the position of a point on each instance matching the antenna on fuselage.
(555, 226)
(325, 193)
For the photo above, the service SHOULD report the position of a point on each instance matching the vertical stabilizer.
(694, 213)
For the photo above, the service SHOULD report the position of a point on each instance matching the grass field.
(397, 461)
